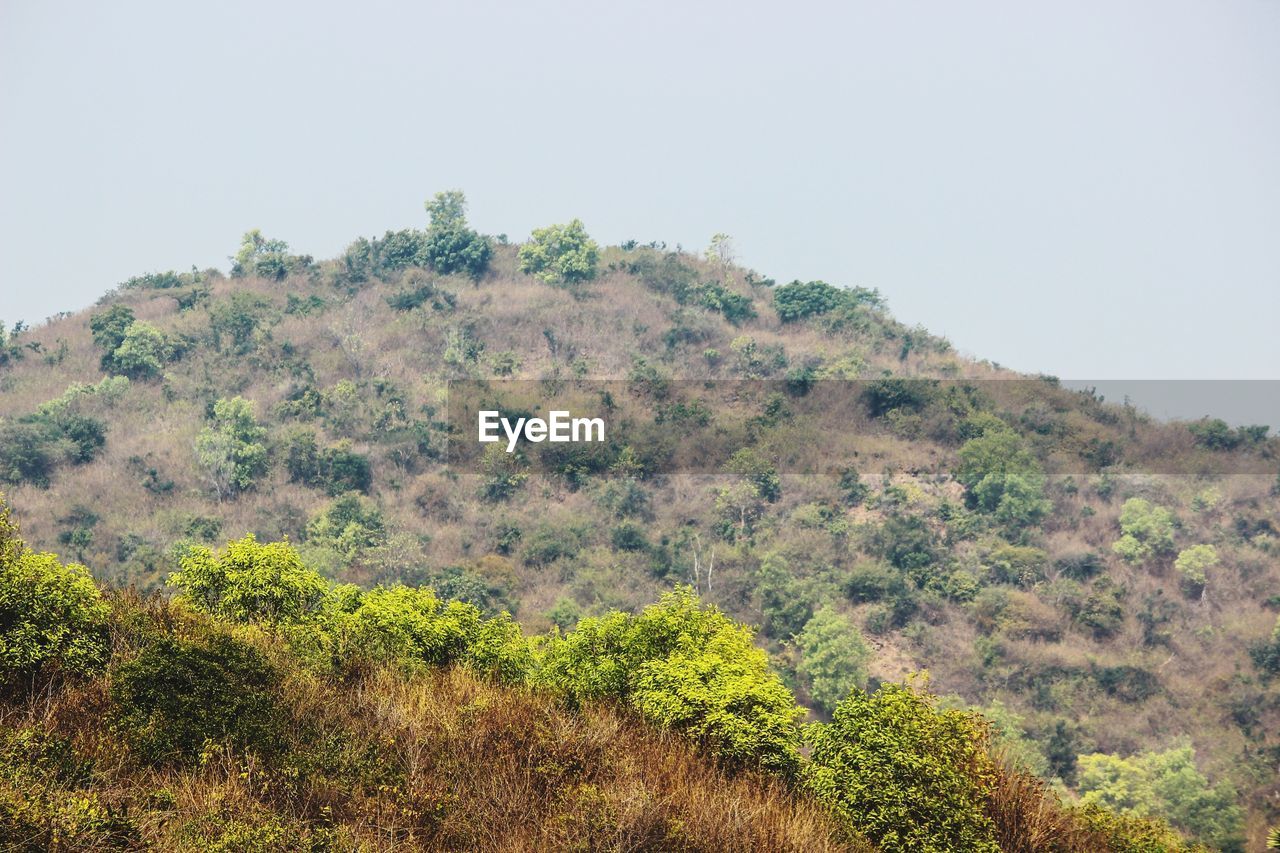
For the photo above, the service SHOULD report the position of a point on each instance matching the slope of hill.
(1103, 586)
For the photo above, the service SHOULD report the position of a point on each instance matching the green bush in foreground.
(908, 776)
(49, 612)
(177, 697)
(685, 667)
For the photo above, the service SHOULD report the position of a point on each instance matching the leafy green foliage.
(178, 697)
(1217, 434)
(33, 447)
(686, 667)
(269, 259)
(238, 319)
(49, 612)
(231, 449)
(142, 352)
(249, 581)
(560, 254)
(1002, 478)
(450, 246)
(1167, 784)
(798, 300)
(834, 657)
(1194, 564)
(349, 525)
(336, 469)
(786, 608)
(908, 776)
(1146, 530)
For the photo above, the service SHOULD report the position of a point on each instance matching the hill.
(1104, 587)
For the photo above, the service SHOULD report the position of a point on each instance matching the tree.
(269, 259)
(560, 254)
(834, 657)
(49, 612)
(1194, 563)
(1165, 784)
(109, 328)
(451, 246)
(249, 581)
(801, 299)
(348, 525)
(1146, 530)
(142, 352)
(1002, 478)
(231, 449)
(906, 775)
(786, 607)
(685, 667)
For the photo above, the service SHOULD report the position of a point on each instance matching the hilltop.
(1103, 587)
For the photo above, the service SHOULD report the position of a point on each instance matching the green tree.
(834, 657)
(142, 352)
(349, 525)
(109, 328)
(269, 259)
(685, 667)
(249, 581)
(179, 696)
(451, 246)
(560, 253)
(782, 598)
(801, 299)
(1165, 784)
(231, 449)
(49, 612)
(1003, 478)
(1146, 530)
(906, 775)
(1194, 564)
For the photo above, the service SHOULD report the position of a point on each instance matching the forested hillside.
(1102, 588)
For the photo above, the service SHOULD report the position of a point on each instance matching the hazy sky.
(1092, 191)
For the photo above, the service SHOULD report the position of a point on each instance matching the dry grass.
(437, 761)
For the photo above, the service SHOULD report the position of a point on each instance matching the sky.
(1089, 190)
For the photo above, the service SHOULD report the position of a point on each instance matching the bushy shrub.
(798, 300)
(231, 449)
(49, 612)
(1146, 530)
(179, 696)
(1002, 478)
(269, 259)
(1163, 784)
(249, 581)
(142, 353)
(786, 606)
(450, 246)
(1266, 654)
(801, 299)
(906, 775)
(108, 329)
(410, 625)
(33, 447)
(1194, 564)
(834, 657)
(348, 525)
(337, 469)
(686, 667)
(560, 254)
(238, 319)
